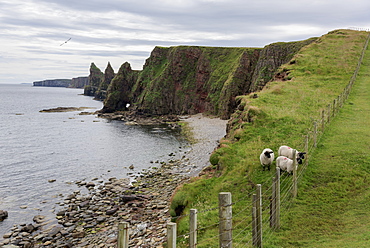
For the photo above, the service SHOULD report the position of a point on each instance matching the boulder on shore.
(3, 215)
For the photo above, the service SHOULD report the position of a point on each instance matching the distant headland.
(78, 82)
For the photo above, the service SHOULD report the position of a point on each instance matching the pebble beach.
(90, 218)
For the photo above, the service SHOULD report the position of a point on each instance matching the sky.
(53, 39)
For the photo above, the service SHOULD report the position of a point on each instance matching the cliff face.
(189, 79)
(98, 81)
(53, 83)
(120, 89)
(271, 57)
(79, 82)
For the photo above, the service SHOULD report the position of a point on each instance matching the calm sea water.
(66, 147)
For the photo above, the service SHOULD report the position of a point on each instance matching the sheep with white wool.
(266, 158)
(285, 164)
(288, 152)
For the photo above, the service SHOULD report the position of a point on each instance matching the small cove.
(66, 147)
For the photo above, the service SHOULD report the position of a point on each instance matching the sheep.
(288, 152)
(285, 164)
(266, 158)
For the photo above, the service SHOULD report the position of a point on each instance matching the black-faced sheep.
(285, 164)
(288, 152)
(266, 158)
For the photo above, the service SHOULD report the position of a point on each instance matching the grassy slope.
(332, 209)
(283, 113)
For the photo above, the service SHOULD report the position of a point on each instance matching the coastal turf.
(331, 209)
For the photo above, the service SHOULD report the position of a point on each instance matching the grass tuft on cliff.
(282, 114)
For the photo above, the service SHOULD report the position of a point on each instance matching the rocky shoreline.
(91, 219)
(136, 118)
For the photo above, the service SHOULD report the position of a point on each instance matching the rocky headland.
(185, 80)
(78, 82)
(175, 81)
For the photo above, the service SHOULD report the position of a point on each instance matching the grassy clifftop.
(192, 79)
(282, 114)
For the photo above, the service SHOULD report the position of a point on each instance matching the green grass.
(332, 209)
(281, 115)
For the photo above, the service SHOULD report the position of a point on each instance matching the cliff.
(98, 81)
(53, 83)
(192, 79)
(79, 82)
(120, 89)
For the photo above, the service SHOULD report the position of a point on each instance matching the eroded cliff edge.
(192, 79)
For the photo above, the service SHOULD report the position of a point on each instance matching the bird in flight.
(65, 41)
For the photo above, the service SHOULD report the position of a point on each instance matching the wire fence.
(259, 217)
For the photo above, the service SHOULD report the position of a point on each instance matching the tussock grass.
(282, 114)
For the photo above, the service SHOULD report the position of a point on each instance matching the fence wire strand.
(313, 137)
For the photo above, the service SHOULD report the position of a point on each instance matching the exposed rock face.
(96, 77)
(79, 82)
(101, 94)
(120, 89)
(191, 79)
(53, 83)
(98, 82)
(271, 57)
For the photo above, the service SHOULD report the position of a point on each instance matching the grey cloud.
(121, 29)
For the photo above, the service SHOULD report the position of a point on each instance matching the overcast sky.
(33, 32)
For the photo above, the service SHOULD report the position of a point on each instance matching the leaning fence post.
(259, 215)
(295, 190)
(193, 228)
(171, 235)
(225, 215)
(123, 235)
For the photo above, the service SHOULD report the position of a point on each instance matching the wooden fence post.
(323, 120)
(254, 220)
(123, 235)
(259, 215)
(338, 103)
(225, 215)
(171, 235)
(277, 190)
(306, 140)
(315, 134)
(295, 190)
(329, 107)
(193, 228)
(273, 204)
(334, 107)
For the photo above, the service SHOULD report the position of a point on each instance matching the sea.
(44, 154)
